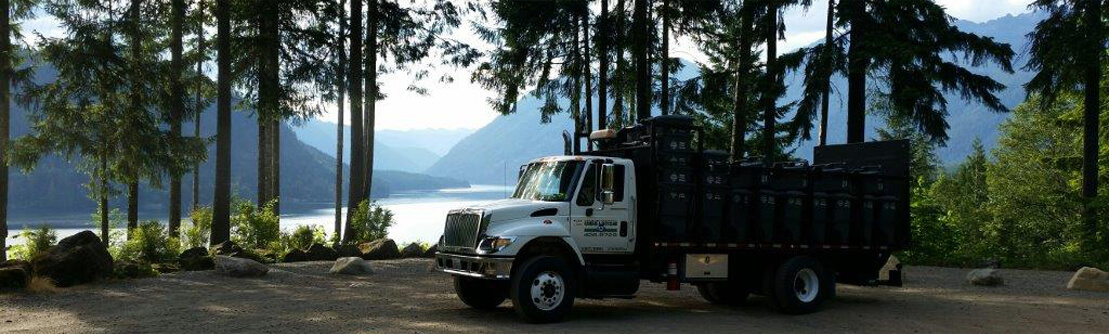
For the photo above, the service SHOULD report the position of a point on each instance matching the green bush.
(369, 222)
(150, 243)
(255, 228)
(197, 232)
(303, 237)
(116, 235)
(34, 242)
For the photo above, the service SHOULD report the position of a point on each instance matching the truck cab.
(650, 205)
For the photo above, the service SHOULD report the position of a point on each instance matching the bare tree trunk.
(105, 230)
(339, 130)
(828, 79)
(136, 107)
(1091, 120)
(275, 166)
(602, 72)
(5, 115)
(642, 67)
(177, 108)
(263, 155)
(371, 93)
(199, 101)
(856, 75)
(739, 97)
(132, 206)
(575, 99)
(588, 78)
(770, 101)
(664, 62)
(354, 193)
(617, 82)
(221, 201)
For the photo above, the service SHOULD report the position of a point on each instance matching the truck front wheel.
(797, 286)
(543, 289)
(480, 294)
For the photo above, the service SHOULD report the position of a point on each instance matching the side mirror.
(608, 182)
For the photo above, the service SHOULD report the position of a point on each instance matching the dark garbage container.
(818, 225)
(683, 176)
(741, 211)
(885, 220)
(768, 215)
(792, 207)
(713, 203)
(839, 223)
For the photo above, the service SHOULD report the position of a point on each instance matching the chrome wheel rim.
(806, 285)
(547, 290)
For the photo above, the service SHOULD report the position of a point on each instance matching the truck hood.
(512, 209)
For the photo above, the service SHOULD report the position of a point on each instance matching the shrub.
(34, 242)
(257, 228)
(369, 222)
(199, 229)
(150, 243)
(303, 237)
(115, 220)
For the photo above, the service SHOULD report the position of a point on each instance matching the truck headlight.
(494, 244)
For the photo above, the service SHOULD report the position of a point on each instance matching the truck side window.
(618, 184)
(588, 190)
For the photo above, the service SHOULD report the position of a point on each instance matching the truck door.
(599, 227)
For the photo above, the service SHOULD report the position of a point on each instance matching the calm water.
(419, 215)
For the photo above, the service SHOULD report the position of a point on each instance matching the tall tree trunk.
(739, 94)
(221, 201)
(263, 152)
(770, 101)
(575, 98)
(587, 60)
(642, 67)
(664, 61)
(824, 96)
(1091, 118)
(132, 206)
(177, 108)
(339, 130)
(602, 72)
(5, 114)
(354, 193)
(105, 230)
(371, 94)
(275, 167)
(618, 78)
(857, 65)
(199, 102)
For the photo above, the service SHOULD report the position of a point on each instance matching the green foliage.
(257, 228)
(369, 222)
(199, 229)
(115, 220)
(303, 237)
(150, 243)
(34, 242)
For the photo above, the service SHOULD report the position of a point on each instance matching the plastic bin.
(741, 209)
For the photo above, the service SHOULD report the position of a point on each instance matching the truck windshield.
(547, 181)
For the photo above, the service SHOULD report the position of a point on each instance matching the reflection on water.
(419, 216)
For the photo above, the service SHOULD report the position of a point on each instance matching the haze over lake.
(419, 215)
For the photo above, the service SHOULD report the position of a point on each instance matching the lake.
(418, 215)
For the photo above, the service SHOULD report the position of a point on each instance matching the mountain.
(307, 175)
(409, 150)
(492, 154)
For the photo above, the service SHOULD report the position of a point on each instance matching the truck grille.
(462, 229)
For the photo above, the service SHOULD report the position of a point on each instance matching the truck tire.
(798, 286)
(723, 293)
(543, 289)
(479, 293)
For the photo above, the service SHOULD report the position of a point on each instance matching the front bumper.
(496, 268)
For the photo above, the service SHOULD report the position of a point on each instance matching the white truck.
(651, 205)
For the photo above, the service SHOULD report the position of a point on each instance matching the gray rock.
(412, 250)
(229, 248)
(381, 249)
(195, 259)
(295, 255)
(77, 259)
(351, 266)
(319, 252)
(14, 277)
(1089, 279)
(985, 277)
(348, 251)
(239, 267)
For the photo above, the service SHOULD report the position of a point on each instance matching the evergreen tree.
(221, 203)
(11, 12)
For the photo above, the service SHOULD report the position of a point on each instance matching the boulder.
(14, 277)
(412, 250)
(294, 255)
(319, 252)
(228, 248)
(348, 251)
(351, 266)
(985, 277)
(381, 249)
(239, 267)
(77, 259)
(430, 252)
(194, 259)
(17, 263)
(128, 269)
(1089, 279)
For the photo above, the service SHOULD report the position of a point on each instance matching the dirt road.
(403, 297)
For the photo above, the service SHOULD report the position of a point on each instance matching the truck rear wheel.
(480, 294)
(798, 286)
(543, 289)
(723, 293)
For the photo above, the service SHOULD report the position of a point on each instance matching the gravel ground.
(403, 296)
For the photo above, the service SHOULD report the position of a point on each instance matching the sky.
(462, 104)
